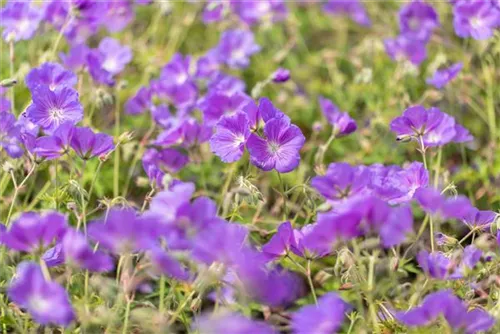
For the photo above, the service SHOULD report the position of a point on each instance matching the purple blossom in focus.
(279, 149)
(88, 144)
(229, 139)
(475, 218)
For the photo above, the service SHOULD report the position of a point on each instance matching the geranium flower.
(88, 144)
(53, 75)
(231, 134)
(235, 48)
(442, 77)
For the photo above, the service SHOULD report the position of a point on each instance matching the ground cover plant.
(250, 167)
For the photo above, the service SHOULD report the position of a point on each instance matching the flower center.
(39, 304)
(476, 22)
(56, 114)
(273, 147)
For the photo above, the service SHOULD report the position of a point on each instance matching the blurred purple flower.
(432, 201)
(78, 252)
(140, 102)
(121, 232)
(444, 303)
(96, 69)
(235, 48)
(76, 59)
(281, 75)
(442, 77)
(342, 181)
(215, 10)
(281, 242)
(352, 8)
(402, 47)
(114, 56)
(479, 219)
(417, 20)
(475, 18)
(324, 318)
(167, 265)
(88, 144)
(230, 137)
(437, 265)
(30, 291)
(251, 12)
(342, 123)
(471, 256)
(280, 148)
(53, 75)
(217, 104)
(119, 13)
(10, 135)
(52, 108)
(233, 323)
(20, 20)
(32, 231)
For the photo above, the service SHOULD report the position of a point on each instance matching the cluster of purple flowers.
(249, 12)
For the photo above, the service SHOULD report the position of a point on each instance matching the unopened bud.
(126, 137)
(10, 82)
(8, 167)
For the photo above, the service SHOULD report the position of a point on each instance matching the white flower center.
(39, 304)
(110, 65)
(273, 147)
(56, 114)
(476, 22)
(23, 25)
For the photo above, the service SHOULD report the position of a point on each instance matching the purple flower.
(76, 59)
(341, 181)
(471, 256)
(442, 77)
(281, 75)
(444, 303)
(397, 227)
(475, 18)
(214, 10)
(462, 135)
(396, 185)
(52, 147)
(167, 265)
(32, 231)
(233, 323)
(20, 20)
(140, 102)
(96, 69)
(437, 265)
(402, 47)
(251, 12)
(433, 202)
(54, 256)
(417, 20)
(342, 123)
(324, 318)
(353, 8)
(121, 231)
(231, 134)
(52, 108)
(46, 301)
(78, 252)
(235, 48)
(432, 127)
(118, 15)
(10, 135)
(479, 219)
(114, 56)
(217, 104)
(281, 241)
(88, 144)
(280, 148)
(53, 75)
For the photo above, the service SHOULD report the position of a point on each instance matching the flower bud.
(10, 82)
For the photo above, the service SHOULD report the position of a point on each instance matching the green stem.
(127, 315)
(116, 169)
(16, 192)
(162, 294)
(309, 280)
(180, 308)
(283, 194)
